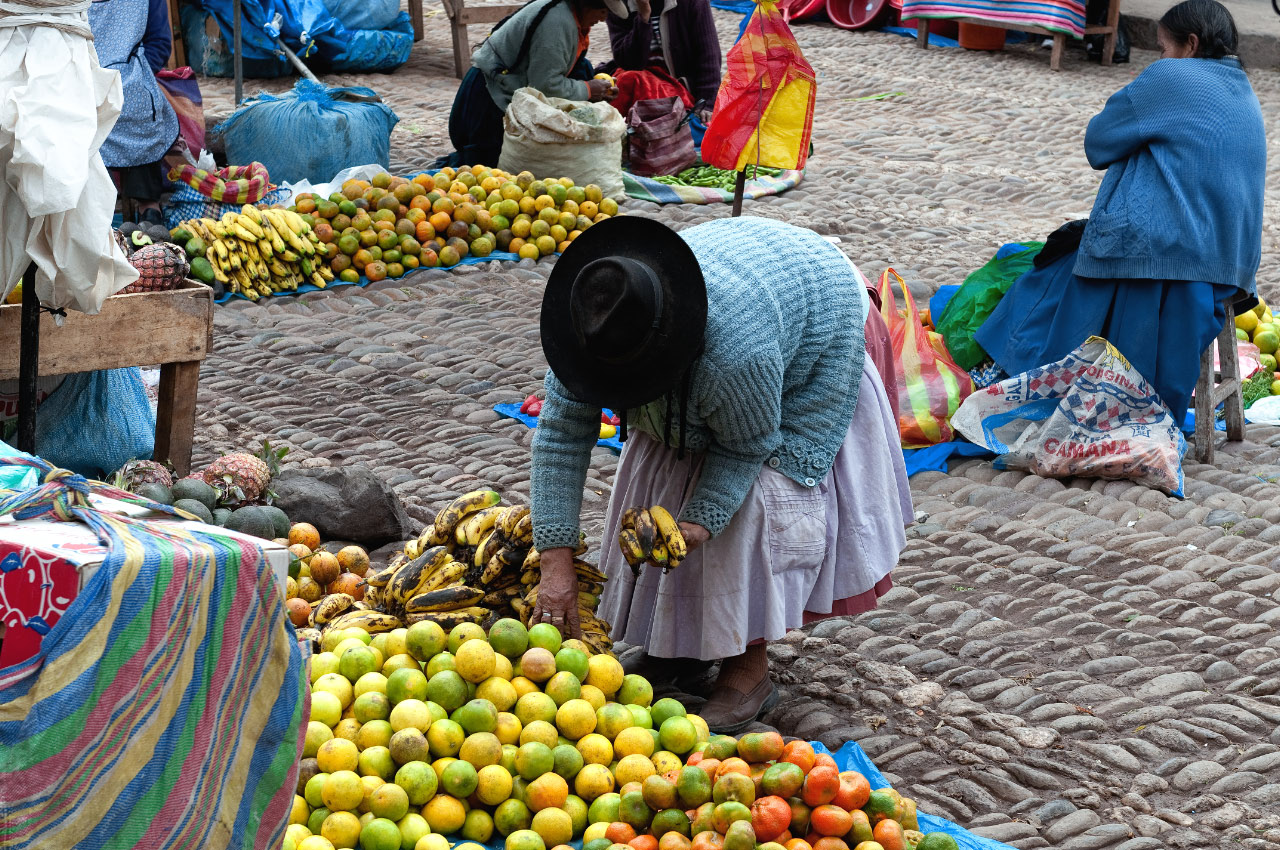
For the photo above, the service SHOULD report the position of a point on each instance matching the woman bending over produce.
(755, 414)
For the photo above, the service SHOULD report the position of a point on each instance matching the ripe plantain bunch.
(650, 535)
(476, 564)
(258, 252)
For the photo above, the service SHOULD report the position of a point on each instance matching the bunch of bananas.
(650, 535)
(258, 252)
(476, 563)
(595, 631)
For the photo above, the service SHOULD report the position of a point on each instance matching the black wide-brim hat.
(624, 313)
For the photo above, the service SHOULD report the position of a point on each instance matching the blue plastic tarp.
(512, 411)
(936, 458)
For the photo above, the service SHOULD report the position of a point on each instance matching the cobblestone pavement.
(1070, 664)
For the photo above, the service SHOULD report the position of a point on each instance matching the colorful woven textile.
(1066, 16)
(645, 189)
(235, 184)
(164, 709)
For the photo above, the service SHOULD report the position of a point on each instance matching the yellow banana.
(478, 526)
(669, 531)
(646, 532)
(658, 557)
(252, 212)
(510, 518)
(522, 533)
(631, 550)
(447, 576)
(447, 520)
(445, 599)
(488, 550)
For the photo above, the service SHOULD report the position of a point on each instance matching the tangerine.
(800, 753)
(854, 791)
(821, 785)
(890, 835)
(770, 816)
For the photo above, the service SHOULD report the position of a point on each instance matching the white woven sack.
(551, 137)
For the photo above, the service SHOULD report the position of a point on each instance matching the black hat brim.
(648, 375)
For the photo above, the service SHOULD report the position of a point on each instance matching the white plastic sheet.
(355, 172)
(57, 105)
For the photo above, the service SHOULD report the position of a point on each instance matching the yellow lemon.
(337, 754)
(575, 719)
(634, 741)
(594, 831)
(665, 762)
(604, 672)
(316, 842)
(634, 768)
(509, 728)
(432, 842)
(593, 781)
(502, 667)
(554, 825)
(348, 728)
(498, 691)
(300, 811)
(540, 731)
(1267, 341)
(343, 791)
(494, 785)
(594, 696)
(595, 749)
(475, 660)
(524, 686)
(445, 815)
(1247, 321)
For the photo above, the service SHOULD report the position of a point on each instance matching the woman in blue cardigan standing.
(756, 416)
(1176, 229)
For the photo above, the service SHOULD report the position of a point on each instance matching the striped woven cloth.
(645, 189)
(164, 709)
(235, 184)
(1066, 16)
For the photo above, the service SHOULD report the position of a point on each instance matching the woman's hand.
(601, 90)
(558, 593)
(694, 535)
(643, 10)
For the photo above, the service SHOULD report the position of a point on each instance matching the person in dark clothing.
(542, 46)
(675, 36)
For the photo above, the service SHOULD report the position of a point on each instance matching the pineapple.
(136, 473)
(242, 478)
(162, 266)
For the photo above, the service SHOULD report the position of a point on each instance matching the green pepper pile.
(710, 177)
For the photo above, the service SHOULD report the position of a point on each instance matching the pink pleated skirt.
(791, 554)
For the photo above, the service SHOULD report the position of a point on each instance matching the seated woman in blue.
(1176, 229)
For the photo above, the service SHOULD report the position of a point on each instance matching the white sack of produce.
(550, 135)
(57, 105)
(1089, 415)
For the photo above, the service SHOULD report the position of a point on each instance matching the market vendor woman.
(542, 46)
(1176, 229)
(754, 414)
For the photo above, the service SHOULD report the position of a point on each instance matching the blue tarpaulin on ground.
(512, 411)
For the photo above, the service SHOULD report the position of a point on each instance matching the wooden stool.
(461, 16)
(1217, 386)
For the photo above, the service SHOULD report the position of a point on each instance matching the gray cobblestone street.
(1069, 664)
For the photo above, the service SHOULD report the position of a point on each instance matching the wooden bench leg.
(461, 50)
(1113, 21)
(1205, 435)
(176, 414)
(415, 13)
(1230, 363)
(922, 34)
(1059, 46)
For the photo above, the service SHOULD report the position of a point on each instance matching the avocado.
(220, 516)
(194, 488)
(191, 506)
(195, 247)
(180, 234)
(253, 521)
(156, 493)
(202, 270)
(139, 238)
(280, 519)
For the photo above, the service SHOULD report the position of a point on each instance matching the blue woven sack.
(364, 14)
(376, 50)
(96, 422)
(310, 133)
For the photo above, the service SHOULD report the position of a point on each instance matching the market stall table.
(1062, 14)
(173, 329)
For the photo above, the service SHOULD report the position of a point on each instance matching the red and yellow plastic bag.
(764, 110)
(930, 384)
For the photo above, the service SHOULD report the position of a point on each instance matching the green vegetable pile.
(1256, 386)
(710, 177)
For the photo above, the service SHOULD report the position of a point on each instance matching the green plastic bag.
(977, 298)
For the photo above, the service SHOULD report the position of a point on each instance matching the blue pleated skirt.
(1161, 326)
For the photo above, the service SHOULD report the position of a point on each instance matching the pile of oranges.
(388, 226)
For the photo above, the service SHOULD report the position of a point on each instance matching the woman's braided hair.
(1211, 23)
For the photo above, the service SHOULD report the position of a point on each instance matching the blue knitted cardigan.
(1185, 153)
(777, 382)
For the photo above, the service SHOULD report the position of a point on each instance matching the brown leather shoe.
(729, 711)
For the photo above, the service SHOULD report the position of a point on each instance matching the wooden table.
(460, 17)
(1109, 29)
(173, 329)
